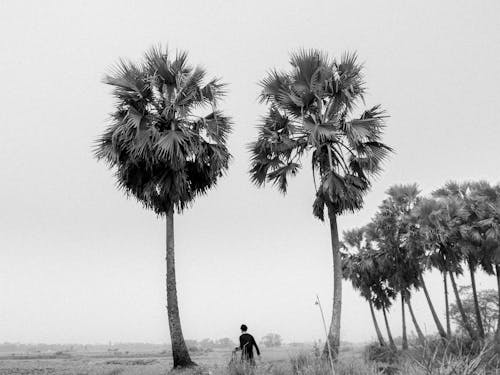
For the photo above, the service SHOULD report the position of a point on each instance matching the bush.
(456, 356)
(376, 353)
(304, 364)
(437, 348)
(299, 362)
(240, 368)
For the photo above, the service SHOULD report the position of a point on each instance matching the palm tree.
(470, 244)
(391, 228)
(357, 267)
(478, 198)
(311, 109)
(448, 241)
(164, 151)
(486, 209)
(468, 236)
(424, 243)
(383, 295)
(382, 292)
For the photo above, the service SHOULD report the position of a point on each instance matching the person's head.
(243, 328)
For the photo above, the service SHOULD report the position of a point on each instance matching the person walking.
(247, 342)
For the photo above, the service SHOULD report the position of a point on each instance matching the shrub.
(376, 353)
(455, 356)
(240, 368)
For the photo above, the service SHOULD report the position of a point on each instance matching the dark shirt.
(247, 342)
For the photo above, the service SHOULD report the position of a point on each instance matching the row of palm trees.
(454, 230)
(167, 144)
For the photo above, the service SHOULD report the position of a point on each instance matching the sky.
(81, 263)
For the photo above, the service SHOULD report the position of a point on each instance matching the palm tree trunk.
(497, 333)
(465, 320)
(439, 326)
(375, 324)
(403, 321)
(334, 333)
(448, 324)
(476, 301)
(179, 349)
(420, 335)
(389, 334)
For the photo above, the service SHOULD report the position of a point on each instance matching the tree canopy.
(166, 140)
(311, 109)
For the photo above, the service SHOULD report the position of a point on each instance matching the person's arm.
(241, 343)
(256, 347)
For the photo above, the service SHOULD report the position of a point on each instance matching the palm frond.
(279, 176)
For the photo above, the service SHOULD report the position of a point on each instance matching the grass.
(434, 358)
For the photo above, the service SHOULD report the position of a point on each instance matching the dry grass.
(433, 359)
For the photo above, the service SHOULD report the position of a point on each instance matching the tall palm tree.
(478, 198)
(382, 293)
(311, 109)
(448, 240)
(357, 267)
(487, 211)
(167, 145)
(424, 243)
(391, 228)
(469, 238)
(470, 244)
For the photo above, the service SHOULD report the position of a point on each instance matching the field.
(104, 363)
(435, 358)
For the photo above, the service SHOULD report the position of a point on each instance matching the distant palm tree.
(485, 209)
(427, 241)
(468, 237)
(440, 220)
(167, 145)
(376, 266)
(477, 198)
(390, 231)
(357, 267)
(311, 109)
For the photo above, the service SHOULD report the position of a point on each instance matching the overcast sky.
(81, 263)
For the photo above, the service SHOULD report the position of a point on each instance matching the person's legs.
(250, 359)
